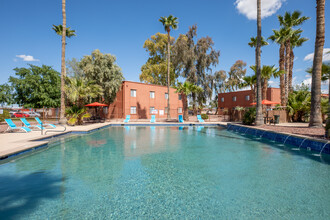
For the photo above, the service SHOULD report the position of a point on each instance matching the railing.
(51, 130)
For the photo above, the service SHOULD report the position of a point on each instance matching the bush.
(4, 116)
(249, 116)
(204, 116)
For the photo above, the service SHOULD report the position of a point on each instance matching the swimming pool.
(165, 172)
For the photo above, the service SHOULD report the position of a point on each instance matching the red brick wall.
(123, 102)
(273, 94)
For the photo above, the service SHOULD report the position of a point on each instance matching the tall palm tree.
(295, 41)
(259, 118)
(279, 38)
(186, 89)
(63, 74)
(288, 21)
(59, 30)
(316, 114)
(168, 23)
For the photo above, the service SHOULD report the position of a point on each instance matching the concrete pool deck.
(15, 142)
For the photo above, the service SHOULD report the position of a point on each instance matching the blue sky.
(121, 27)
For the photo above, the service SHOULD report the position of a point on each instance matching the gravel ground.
(306, 131)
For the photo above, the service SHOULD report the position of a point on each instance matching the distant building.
(243, 98)
(140, 101)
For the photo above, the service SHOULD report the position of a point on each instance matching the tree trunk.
(264, 89)
(287, 69)
(185, 106)
(282, 81)
(291, 70)
(259, 118)
(316, 115)
(63, 74)
(168, 74)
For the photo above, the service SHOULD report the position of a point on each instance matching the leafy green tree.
(59, 30)
(186, 89)
(102, 68)
(36, 86)
(76, 115)
(169, 23)
(236, 73)
(6, 94)
(155, 70)
(73, 69)
(253, 42)
(79, 91)
(195, 58)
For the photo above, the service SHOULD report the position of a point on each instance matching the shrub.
(204, 116)
(5, 115)
(249, 116)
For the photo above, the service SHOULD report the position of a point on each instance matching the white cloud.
(249, 8)
(326, 57)
(27, 57)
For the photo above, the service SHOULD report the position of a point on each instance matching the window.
(152, 95)
(151, 109)
(180, 110)
(247, 98)
(222, 99)
(180, 97)
(234, 98)
(222, 108)
(133, 92)
(166, 109)
(166, 95)
(133, 110)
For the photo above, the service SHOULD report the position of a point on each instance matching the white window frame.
(180, 97)
(222, 99)
(179, 110)
(152, 94)
(134, 93)
(234, 98)
(133, 110)
(247, 98)
(166, 95)
(151, 109)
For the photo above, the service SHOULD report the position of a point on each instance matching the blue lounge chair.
(153, 119)
(128, 117)
(13, 127)
(199, 118)
(44, 125)
(27, 124)
(181, 119)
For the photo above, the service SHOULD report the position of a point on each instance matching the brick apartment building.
(244, 98)
(140, 101)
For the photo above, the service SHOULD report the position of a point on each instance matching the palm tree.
(168, 23)
(288, 21)
(253, 42)
(81, 90)
(251, 82)
(316, 115)
(295, 41)
(63, 74)
(266, 73)
(59, 30)
(186, 89)
(259, 118)
(279, 38)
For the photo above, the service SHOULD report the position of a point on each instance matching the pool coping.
(42, 142)
(304, 142)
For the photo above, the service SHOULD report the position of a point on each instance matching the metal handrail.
(51, 130)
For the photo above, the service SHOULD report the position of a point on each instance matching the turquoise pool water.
(165, 173)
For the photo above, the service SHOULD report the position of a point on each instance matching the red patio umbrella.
(96, 104)
(266, 102)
